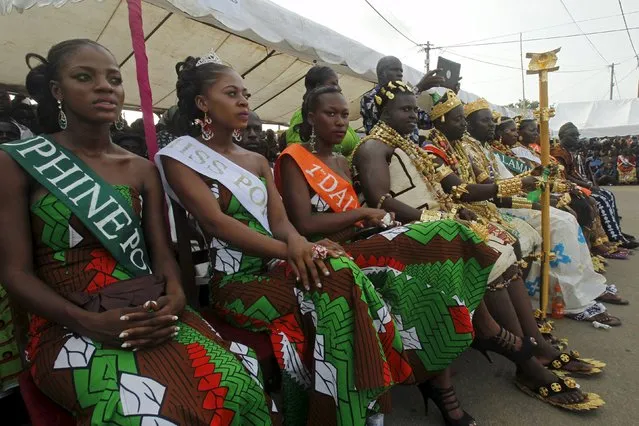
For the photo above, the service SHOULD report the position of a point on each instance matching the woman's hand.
(466, 214)
(376, 218)
(529, 183)
(334, 249)
(306, 261)
(132, 328)
(171, 304)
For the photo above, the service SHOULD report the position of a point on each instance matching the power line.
(389, 23)
(484, 62)
(626, 76)
(519, 68)
(543, 28)
(582, 31)
(578, 82)
(536, 39)
(623, 15)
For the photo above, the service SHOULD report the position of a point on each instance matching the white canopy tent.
(271, 47)
(600, 118)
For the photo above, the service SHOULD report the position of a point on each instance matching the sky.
(585, 62)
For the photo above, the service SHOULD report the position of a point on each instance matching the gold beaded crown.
(475, 106)
(443, 107)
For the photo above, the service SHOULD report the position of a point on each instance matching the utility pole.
(523, 82)
(427, 59)
(612, 78)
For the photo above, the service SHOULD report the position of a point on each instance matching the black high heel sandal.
(504, 344)
(446, 401)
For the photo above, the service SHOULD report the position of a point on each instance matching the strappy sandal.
(446, 401)
(504, 344)
(611, 296)
(603, 318)
(558, 365)
(545, 393)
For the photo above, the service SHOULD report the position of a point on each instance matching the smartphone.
(450, 71)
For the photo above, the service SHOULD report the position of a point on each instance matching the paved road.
(487, 391)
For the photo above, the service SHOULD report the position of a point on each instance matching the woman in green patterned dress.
(10, 362)
(333, 336)
(432, 274)
(109, 341)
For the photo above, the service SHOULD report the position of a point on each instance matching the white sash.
(249, 190)
(522, 152)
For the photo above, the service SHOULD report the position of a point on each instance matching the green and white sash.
(249, 190)
(515, 165)
(100, 207)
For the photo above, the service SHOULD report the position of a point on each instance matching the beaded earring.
(119, 123)
(62, 117)
(237, 135)
(312, 140)
(206, 126)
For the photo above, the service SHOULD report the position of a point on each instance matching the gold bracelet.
(509, 187)
(483, 176)
(480, 230)
(382, 199)
(442, 172)
(521, 203)
(458, 191)
(564, 201)
(430, 215)
(559, 187)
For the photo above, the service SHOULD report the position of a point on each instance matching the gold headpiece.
(387, 92)
(496, 116)
(477, 105)
(442, 108)
(517, 119)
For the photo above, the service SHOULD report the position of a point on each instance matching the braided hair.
(193, 80)
(310, 104)
(317, 76)
(39, 79)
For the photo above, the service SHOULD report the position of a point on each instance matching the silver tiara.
(211, 58)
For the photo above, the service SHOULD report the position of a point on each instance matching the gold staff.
(542, 64)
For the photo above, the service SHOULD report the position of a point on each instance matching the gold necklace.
(420, 158)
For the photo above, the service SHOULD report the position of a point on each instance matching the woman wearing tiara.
(109, 341)
(332, 335)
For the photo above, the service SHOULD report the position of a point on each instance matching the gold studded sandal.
(558, 365)
(545, 393)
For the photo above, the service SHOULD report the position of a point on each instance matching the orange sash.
(333, 189)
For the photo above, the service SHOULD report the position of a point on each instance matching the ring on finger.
(319, 252)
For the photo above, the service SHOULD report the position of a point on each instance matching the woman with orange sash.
(433, 275)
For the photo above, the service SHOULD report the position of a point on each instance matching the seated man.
(398, 176)
(606, 202)
(251, 137)
(581, 286)
(389, 68)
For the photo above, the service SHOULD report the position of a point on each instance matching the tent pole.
(142, 73)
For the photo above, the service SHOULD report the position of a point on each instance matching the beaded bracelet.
(382, 199)
(509, 187)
